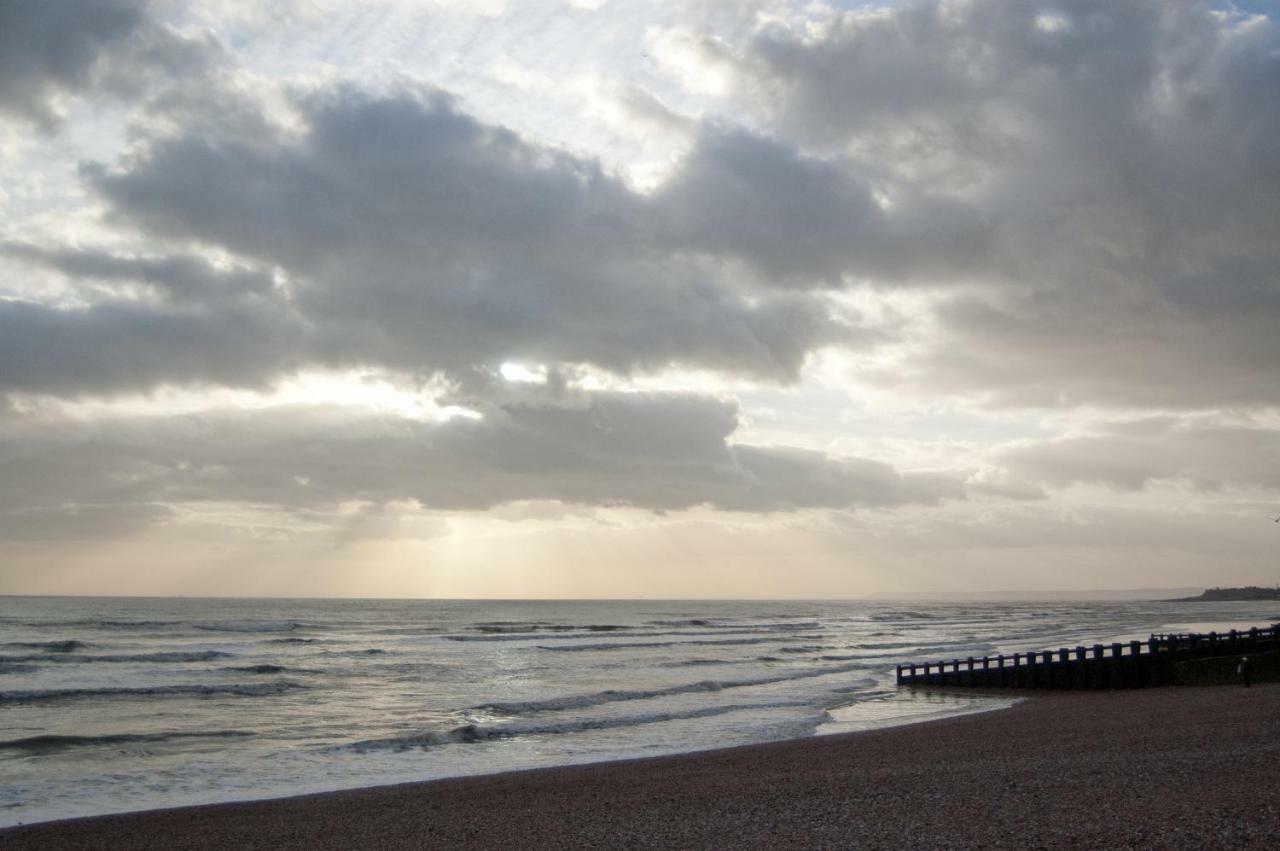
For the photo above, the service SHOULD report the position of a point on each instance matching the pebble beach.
(1192, 768)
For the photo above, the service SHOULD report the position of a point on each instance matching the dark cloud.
(655, 452)
(799, 220)
(176, 278)
(141, 322)
(1121, 158)
(122, 346)
(420, 239)
(1093, 181)
(49, 49)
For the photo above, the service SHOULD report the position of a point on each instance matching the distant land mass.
(1218, 595)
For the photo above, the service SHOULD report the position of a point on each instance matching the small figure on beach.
(1243, 670)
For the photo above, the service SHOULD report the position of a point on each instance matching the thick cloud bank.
(657, 452)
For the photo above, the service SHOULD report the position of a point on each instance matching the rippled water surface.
(121, 704)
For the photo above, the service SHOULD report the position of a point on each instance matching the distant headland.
(1218, 595)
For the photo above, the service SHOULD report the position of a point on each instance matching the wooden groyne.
(1132, 664)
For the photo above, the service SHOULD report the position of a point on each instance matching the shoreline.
(1170, 767)
(998, 699)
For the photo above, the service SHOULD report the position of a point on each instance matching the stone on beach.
(1192, 768)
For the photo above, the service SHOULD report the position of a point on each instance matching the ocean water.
(109, 705)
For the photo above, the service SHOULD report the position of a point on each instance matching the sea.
(115, 704)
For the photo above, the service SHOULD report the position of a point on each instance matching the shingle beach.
(1192, 768)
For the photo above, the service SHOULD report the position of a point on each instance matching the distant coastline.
(1220, 595)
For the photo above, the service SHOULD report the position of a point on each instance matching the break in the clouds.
(992, 259)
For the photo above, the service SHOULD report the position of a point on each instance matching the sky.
(617, 298)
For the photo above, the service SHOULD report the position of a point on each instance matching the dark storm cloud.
(1129, 456)
(420, 239)
(655, 452)
(48, 49)
(1122, 157)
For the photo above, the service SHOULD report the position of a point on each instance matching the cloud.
(1131, 455)
(80, 522)
(1119, 157)
(801, 220)
(420, 239)
(138, 322)
(52, 50)
(175, 278)
(652, 451)
(1086, 192)
(123, 346)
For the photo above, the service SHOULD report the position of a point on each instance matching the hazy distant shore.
(1169, 768)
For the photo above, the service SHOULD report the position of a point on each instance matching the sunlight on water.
(117, 704)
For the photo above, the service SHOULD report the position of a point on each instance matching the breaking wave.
(568, 648)
(582, 701)
(76, 658)
(67, 646)
(514, 627)
(17, 668)
(59, 695)
(473, 733)
(53, 743)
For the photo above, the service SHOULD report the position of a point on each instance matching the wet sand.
(1191, 768)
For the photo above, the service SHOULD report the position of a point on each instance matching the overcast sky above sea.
(613, 298)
